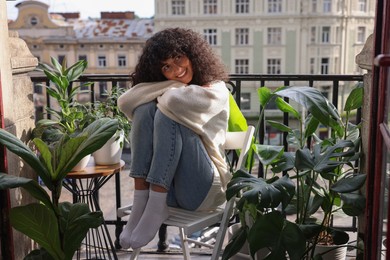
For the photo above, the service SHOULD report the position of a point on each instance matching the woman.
(179, 107)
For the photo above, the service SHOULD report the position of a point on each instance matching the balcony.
(243, 87)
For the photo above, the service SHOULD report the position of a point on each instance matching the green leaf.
(258, 192)
(279, 126)
(286, 107)
(268, 153)
(38, 254)
(274, 231)
(355, 98)
(235, 244)
(237, 121)
(9, 182)
(40, 224)
(45, 154)
(264, 95)
(353, 204)
(56, 65)
(311, 126)
(97, 133)
(23, 151)
(349, 183)
(76, 220)
(313, 100)
(76, 70)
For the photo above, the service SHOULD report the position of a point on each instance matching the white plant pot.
(244, 254)
(82, 163)
(333, 252)
(111, 152)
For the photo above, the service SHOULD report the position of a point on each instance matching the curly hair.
(171, 42)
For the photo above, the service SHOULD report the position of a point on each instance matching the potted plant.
(57, 227)
(324, 172)
(70, 117)
(111, 152)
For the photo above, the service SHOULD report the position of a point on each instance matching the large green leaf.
(355, 98)
(76, 70)
(23, 151)
(349, 183)
(97, 134)
(39, 254)
(274, 231)
(268, 153)
(287, 108)
(312, 99)
(76, 220)
(9, 182)
(258, 192)
(353, 204)
(235, 244)
(264, 95)
(40, 224)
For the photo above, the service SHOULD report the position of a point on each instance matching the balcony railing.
(336, 87)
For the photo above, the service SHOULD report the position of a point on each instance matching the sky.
(91, 8)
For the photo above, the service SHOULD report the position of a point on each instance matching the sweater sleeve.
(194, 106)
(143, 93)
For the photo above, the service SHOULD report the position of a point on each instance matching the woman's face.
(178, 68)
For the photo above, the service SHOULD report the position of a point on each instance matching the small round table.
(84, 186)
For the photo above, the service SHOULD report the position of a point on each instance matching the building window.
(361, 34)
(273, 66)
(102, 61)
(313, 34)
(210, 6)
(325, 34)
(210, 35)
(103, 89)
(327, 6)
(61, 59)
(274, 35)
(242, 6)
(242, 36)
(241, 66)
(312, 66)
(314, 6)
(122, 61)
(83, 57)
(363, 5)
(178, 7)
(33, 21)
(274, 6)
(324, 65)
(245, 101)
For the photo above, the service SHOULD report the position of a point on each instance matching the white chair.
(189, 222)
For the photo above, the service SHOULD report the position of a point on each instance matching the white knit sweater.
(205, 110)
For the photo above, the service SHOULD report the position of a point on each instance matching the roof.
(108, 28)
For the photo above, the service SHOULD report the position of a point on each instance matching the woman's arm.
(143, 93)
(194, 106)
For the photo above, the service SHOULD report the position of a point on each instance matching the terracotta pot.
(111, 152)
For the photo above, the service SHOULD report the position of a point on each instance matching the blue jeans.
(170, 155)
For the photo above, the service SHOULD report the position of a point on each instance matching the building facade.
(110, 44)
(251, 36)
(276, 36)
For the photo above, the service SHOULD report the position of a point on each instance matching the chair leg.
(135, 254)
(184, 245)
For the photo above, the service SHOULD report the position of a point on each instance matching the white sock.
(155, 213)
(139, 204)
